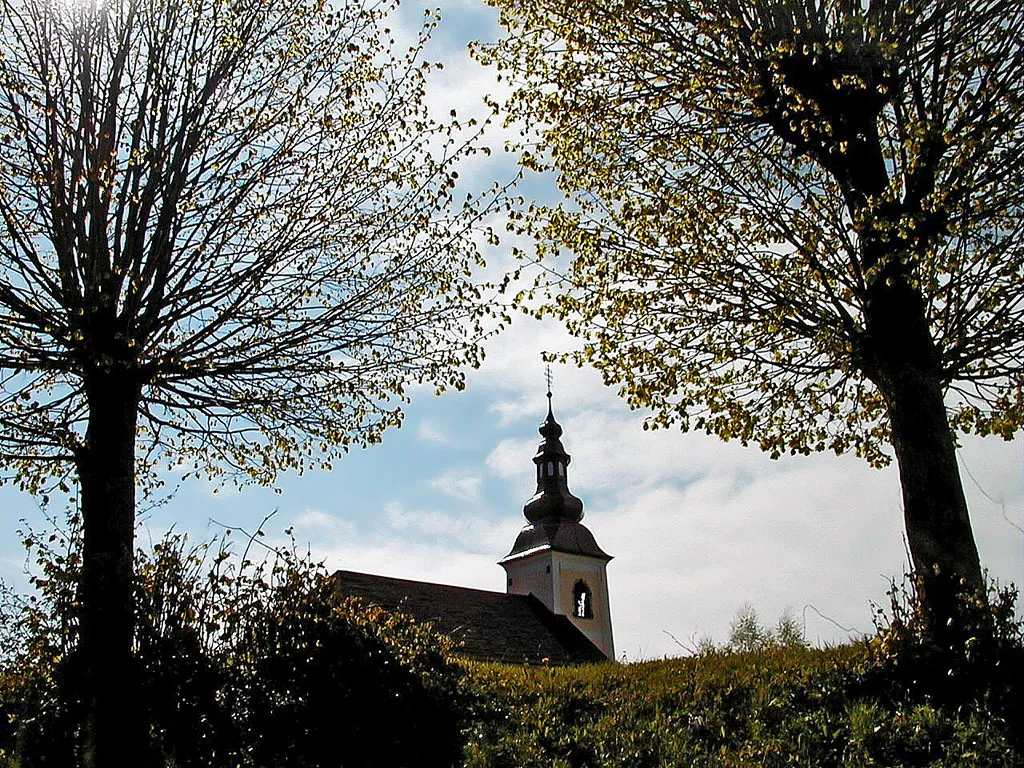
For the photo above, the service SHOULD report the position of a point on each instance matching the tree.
(791, 222)
(747, 634)
(228, 244)
(789, 633)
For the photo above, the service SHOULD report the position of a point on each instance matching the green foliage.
(241, 664)
(747, 633)
(978, 656)
(773, 204)
(777, 707)
(893, 700)
(37, 635)
(788, 632)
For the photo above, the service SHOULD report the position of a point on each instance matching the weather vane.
(547, 378)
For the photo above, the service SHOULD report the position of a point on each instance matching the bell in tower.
(555, 558)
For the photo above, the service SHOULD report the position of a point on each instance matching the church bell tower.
(555, 558)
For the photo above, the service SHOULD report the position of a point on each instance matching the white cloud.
(417, 544)
(420, 562)
(510, 459)
(430, 432)
(458, 485)
(819, 534)
(513, 372)
(688, 558)
(610, 448)
(325, 525)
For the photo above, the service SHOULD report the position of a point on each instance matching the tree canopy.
(246, 205)
(741, 174)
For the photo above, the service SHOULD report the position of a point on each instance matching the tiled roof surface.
(487, 626)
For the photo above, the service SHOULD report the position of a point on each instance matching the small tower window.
(551, 469)
(582, 599)
(561, 469)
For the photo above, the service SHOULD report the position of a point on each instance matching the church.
(555, 608)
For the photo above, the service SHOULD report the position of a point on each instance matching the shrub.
(241, 663)
(977, 665)
(773, 708)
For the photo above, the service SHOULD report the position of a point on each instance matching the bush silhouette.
(241, 663)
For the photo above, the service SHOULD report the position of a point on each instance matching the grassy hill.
(854, 705)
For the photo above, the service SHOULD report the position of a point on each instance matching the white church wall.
(570, 569)
(532, 575)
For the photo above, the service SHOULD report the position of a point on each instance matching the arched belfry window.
(551, 469)
(561, 469)
(582, 601)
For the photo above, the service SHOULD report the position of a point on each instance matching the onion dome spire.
(552, 501)
(554, 514)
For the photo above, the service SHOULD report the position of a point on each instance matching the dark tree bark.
(939, 536)
(897, 350)
(113, 728)
(901, 358)
(903, 363)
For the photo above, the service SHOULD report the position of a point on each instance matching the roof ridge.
(343, 571)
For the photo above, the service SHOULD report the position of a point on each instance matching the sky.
(697, 527)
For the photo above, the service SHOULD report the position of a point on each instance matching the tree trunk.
(903, 362)
(113, 728)
(939, 535)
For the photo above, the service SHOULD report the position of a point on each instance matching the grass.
(777, 707)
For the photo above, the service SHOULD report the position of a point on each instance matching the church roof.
(486, 626)
(557, 535)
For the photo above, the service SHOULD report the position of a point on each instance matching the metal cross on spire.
(547, 378)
